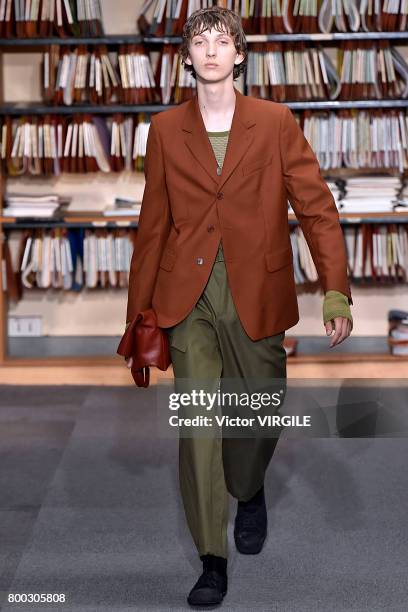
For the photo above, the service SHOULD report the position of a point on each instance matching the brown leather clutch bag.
(147, 344)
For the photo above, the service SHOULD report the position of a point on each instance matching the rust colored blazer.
(187, 208)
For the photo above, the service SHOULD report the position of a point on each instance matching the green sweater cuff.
(336, 304)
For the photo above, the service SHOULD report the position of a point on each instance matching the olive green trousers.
(211, 344)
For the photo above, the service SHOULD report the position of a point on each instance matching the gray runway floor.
(90, 508)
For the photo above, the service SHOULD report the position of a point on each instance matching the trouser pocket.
(178, 335)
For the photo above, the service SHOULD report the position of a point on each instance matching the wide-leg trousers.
(211, 344)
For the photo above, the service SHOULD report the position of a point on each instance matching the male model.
(213, 258)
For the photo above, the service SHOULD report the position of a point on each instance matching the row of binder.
(376, 254)
(76, 259)
(52, 144)
(302, 71)
(355, 138)
(275, 71)
(87, 73)
(68, 259)
(83, 74)
(30, 18)
(43, 18)
(285, 18)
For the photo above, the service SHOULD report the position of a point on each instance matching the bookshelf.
(117, 39)
(24, 45)
(41, 109)
(75, 219)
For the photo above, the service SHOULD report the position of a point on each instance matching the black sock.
(212, 562)
(255, 499)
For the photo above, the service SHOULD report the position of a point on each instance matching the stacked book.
(34, 206)
(370, 194)
(402, 199)
(398, 332)
(123, 207)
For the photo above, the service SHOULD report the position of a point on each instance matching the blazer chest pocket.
(275, 260)
(257, 165)
(167, 260)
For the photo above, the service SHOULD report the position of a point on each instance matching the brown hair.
(220, 19)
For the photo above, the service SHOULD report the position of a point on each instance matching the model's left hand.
(342, 329)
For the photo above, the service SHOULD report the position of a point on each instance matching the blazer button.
(210, 228)
(218, 170)
(200, 260)
(220, 195)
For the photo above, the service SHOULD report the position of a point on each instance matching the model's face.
(213, 47)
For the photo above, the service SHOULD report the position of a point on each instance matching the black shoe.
(251, 524)
(211, 586)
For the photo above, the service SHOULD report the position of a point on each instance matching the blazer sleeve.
(153, 228)
(314, 206)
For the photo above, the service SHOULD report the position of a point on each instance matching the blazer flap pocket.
(279, 258)
(167, 259)
(257, 164)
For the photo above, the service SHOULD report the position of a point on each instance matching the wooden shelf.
(13, 44)
(98, 360)
(72, 221)
(117, 39)
(369, 217)
(38, 108)
(347, 358)
(100, 220)
(18, 108)
(344, 173)
(86, 361)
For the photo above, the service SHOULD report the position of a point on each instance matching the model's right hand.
(129, 362)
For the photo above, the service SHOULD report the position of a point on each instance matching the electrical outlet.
(19, 326)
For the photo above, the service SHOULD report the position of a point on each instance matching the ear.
(240, 58)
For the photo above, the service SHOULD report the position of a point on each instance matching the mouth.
(211, 65)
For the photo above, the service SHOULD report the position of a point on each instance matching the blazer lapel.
(240, 138)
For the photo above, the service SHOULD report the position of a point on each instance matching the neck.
(216, 105)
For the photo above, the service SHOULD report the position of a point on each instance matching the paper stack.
(33, 206)
(123, 207)
(402, 200)
(398, 332)
(368, 194)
